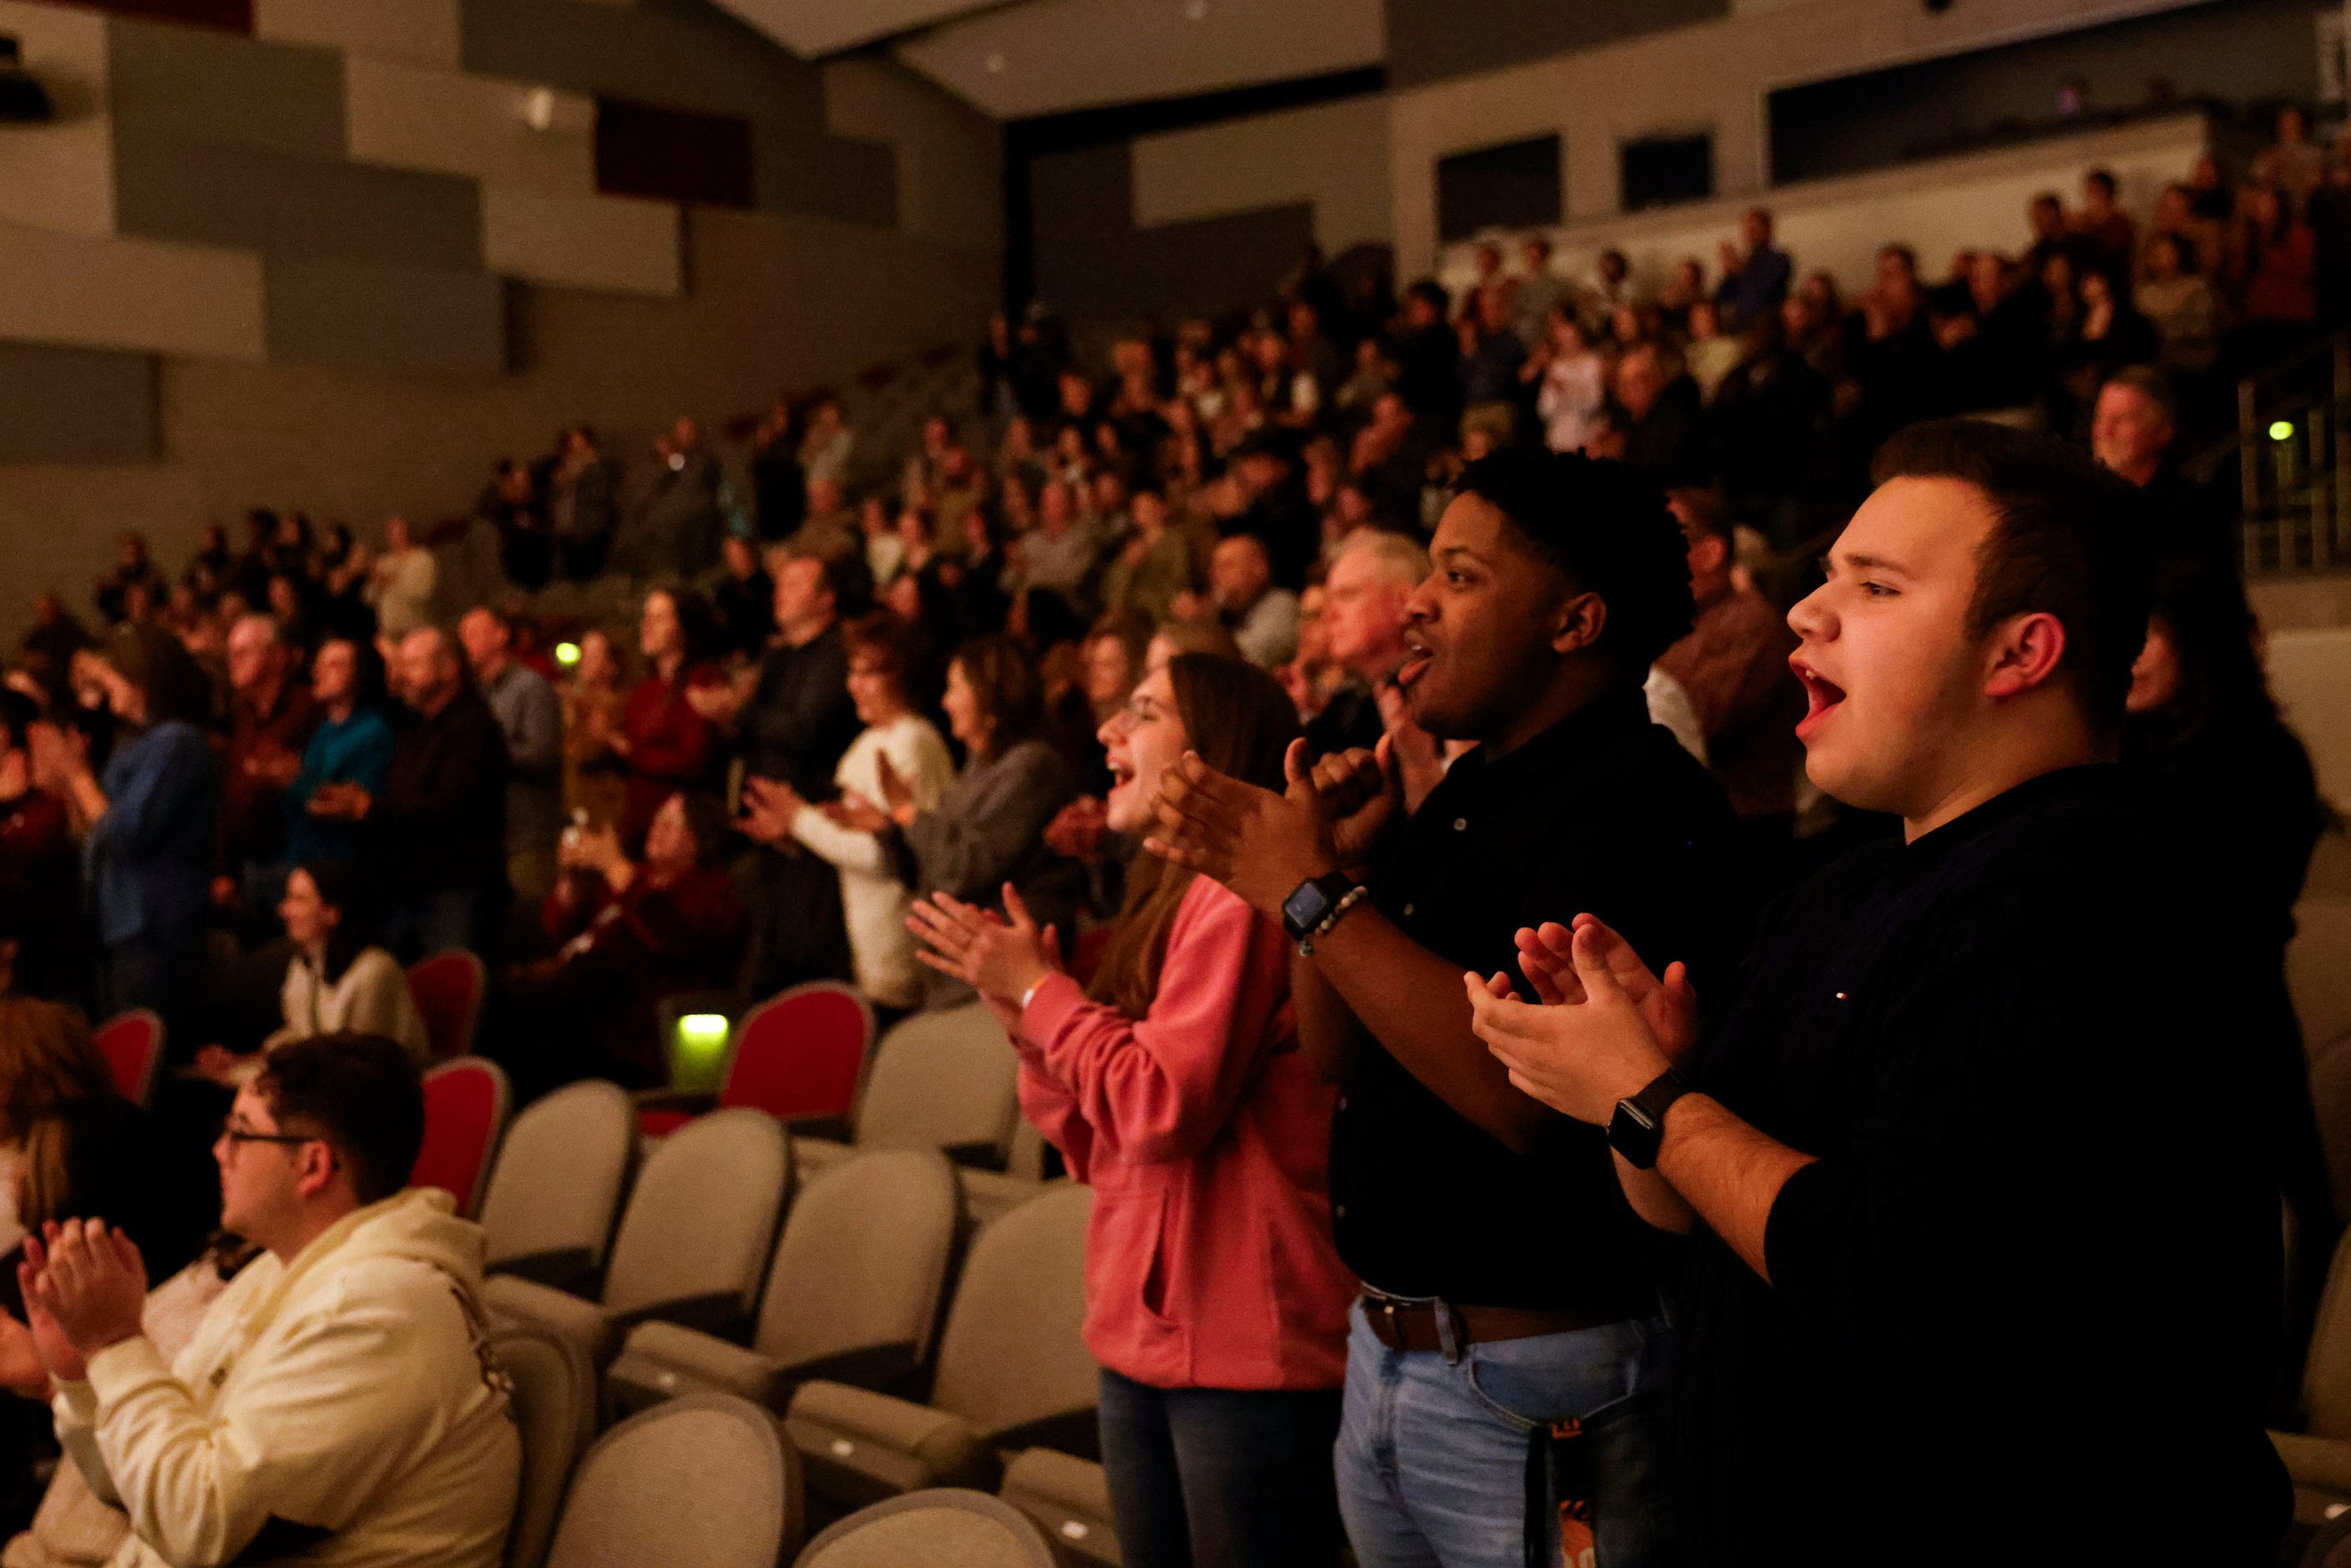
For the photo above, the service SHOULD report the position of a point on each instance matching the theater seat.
(466, 1105)
(447, 990)
(947, 1526)
(1013, 1372)
(555, 1407)
(2318, 1457)
(703, 1481)
(853, 1294)
(556, 1184)
(798, 1056)
(133, 1044)
(946, 1080)
(692, 1243)
(1070, 1499)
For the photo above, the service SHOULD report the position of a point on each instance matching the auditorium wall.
(373, 256)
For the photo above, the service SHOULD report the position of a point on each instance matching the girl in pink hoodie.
(1216, 1301)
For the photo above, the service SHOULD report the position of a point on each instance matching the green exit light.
(700, 1039)
(567, 654)
(2282, 430)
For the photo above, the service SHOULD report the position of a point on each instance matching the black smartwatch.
(1639, 1124)
(1314, 905)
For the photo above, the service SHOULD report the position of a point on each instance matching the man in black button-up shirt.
(1473, 1213)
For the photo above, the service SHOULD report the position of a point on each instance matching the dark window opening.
(1660, 171)
(1515, 186)
(673, 155)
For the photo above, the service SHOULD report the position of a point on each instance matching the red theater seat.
(133, 1044)
(797, 1056)
(447, 990)
(466, 1105)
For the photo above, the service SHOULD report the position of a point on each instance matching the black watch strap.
(1639, 1125)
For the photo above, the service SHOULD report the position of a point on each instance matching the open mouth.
(1418, 657)
(1821, 696)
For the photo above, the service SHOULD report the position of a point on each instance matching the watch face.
(1304, 909)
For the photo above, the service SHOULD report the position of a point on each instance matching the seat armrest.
(858, 1446)
(575, 1318)
(659, 1360)
(1069, 1496)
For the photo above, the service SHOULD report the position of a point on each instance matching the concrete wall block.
(75, 406)
(60, 175)
(615, 242)
(170, 188)
(415, 117)
(132, 294)
(427, 32)
(384, 320)
(171, 82)
(950, 164)
(1332, 156)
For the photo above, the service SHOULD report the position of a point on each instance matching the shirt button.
(1407, 911)
(1338, 1211)
(1460, 824)
(1343, 1102)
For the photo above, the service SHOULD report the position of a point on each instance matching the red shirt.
(1205, 1136)
(671, 747)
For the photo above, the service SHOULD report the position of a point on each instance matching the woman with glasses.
(1217, 1302)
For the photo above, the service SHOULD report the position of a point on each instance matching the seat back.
(706, 1479)
(1012, 1359)
(2318, 972)
(861, 1266)
(947, 1080)
(944, 1525)
(447, 988)
(801, 1052)
(2326, 1371)
(557, 1183)
(703, 1218)
(466, 1105)
(133, 1044)
(555, 1406)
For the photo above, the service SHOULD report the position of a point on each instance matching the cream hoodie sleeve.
(921, 757)
(311, 1439)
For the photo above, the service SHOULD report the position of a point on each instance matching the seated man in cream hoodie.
(337, 1404)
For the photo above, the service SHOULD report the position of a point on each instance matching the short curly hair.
(1607, 527)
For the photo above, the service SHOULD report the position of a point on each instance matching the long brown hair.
(49, 1066)
(1241, 723)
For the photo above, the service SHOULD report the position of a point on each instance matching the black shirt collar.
(2087, 784)
(1610, 716)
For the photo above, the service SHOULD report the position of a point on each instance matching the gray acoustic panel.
(855, 182)
(385, 321)
(209, 86)
(1093, 264)
(75, 406)
(167, 187)
(1430, 40)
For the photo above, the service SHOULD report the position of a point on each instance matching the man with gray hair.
(271, 718)
(1363, 599)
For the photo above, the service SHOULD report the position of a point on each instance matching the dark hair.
(1241, 722)
(1050, 619)
(157, 663)
(1605, 526)
(850, 582)
(705, 824)
(2069, 538)
(1003, 677)
(697, 627)
(881, 635)
(2151, 385)
(370, 688)
(2104, 179)
(2212, 627)
(18, 714)
(342, 889)
(361, 1095)
(1702, 513)
(1431, 291)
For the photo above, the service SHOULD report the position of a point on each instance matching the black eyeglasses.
(240, 1134)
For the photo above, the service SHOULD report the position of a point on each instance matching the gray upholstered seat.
(948, 1528)
(548, 1215)
(943, 1081)
(704, 1479)
(555, 1406)
(853, 1294)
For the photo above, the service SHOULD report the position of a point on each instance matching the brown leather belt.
(1412, 1325)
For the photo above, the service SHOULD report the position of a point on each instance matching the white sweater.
(372, 997)
(872, 901)
(350, 1395)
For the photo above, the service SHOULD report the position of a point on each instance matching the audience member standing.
(1216, 1303)
(40, 866)
(595, 700)
(873, 899)
(582, 506)
(351, 745)
(531, 718)
(1263, 618)
(401, 583)
(272, 715)
(1967, 1089)
(665, 743)
(1753, 283)
(335, 1403)
(1665, 435)
(797, 723)
(151, 821)
(1734, 666)
(1364, 613)
(133, 572)
(1504, 1300)
(2132, 431)
(436, 835)
(681, 524)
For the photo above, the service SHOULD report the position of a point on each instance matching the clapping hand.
(1001, 961)
(1076, 831)
(898, 795)
(768, 807)
(1596, 1044)
(1259, 844)
(84, 1286)
(855, 812)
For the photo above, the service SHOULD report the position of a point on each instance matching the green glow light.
(700, 1039)
(2282, 430)
(567, 654)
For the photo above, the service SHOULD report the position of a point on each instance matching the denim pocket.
(1549, 1377)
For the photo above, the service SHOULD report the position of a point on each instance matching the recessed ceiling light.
(996, 64)
(1195, 10)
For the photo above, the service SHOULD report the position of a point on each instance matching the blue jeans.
(1220, 1478)
(1432, 1455)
